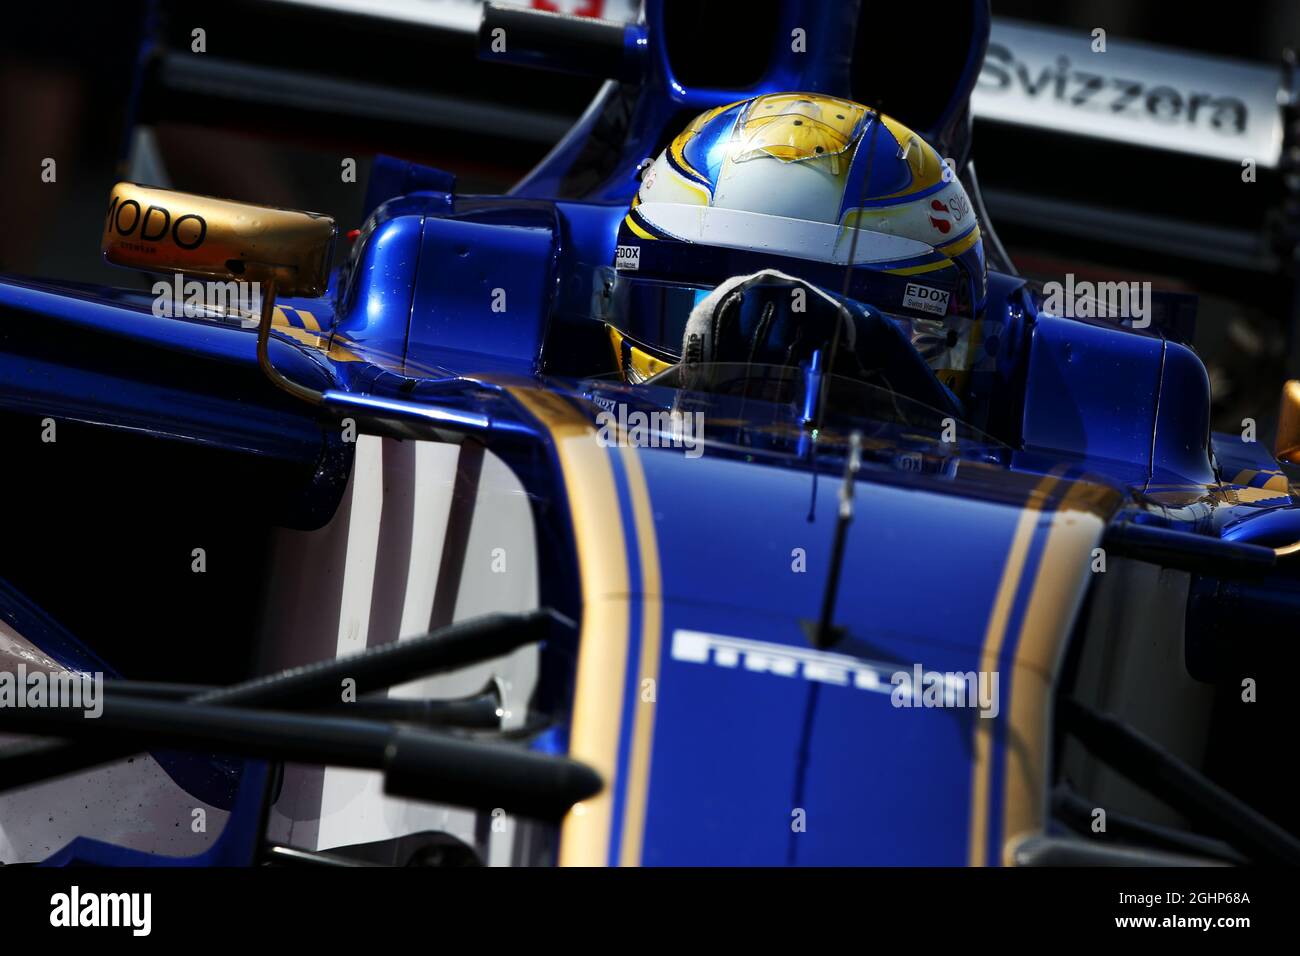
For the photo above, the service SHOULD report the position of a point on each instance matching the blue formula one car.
(719, 495)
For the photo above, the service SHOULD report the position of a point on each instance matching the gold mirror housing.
(1287, 446)
(161, 230)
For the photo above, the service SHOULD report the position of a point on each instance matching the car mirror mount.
(285, 251)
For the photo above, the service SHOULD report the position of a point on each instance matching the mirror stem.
(264, 357)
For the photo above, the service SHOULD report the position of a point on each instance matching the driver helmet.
(813, 186)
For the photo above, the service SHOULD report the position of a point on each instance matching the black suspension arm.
(417, 764)
(1161, 773)
(479, 711)
(319, 684)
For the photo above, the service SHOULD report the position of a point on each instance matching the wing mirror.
(164, 230)
(285, 251)
(1287, 446)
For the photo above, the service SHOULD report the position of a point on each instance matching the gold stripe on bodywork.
(602, 650)
(1276, 480)
(994, 635)
(643, 719)
(311, 336)
(1059, 585)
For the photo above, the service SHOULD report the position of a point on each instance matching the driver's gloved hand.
(767, 318)
(770, 318)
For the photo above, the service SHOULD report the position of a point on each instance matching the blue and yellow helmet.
(798, 182)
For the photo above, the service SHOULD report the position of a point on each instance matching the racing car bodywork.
(1047, 608)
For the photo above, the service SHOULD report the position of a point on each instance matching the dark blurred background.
(1244, 277)
(282, 92)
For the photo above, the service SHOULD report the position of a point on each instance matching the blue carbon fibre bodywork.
(1182, 426)
(375, 311)
(728, 767)
(725, 554)
(477, 276)
(170, 377)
